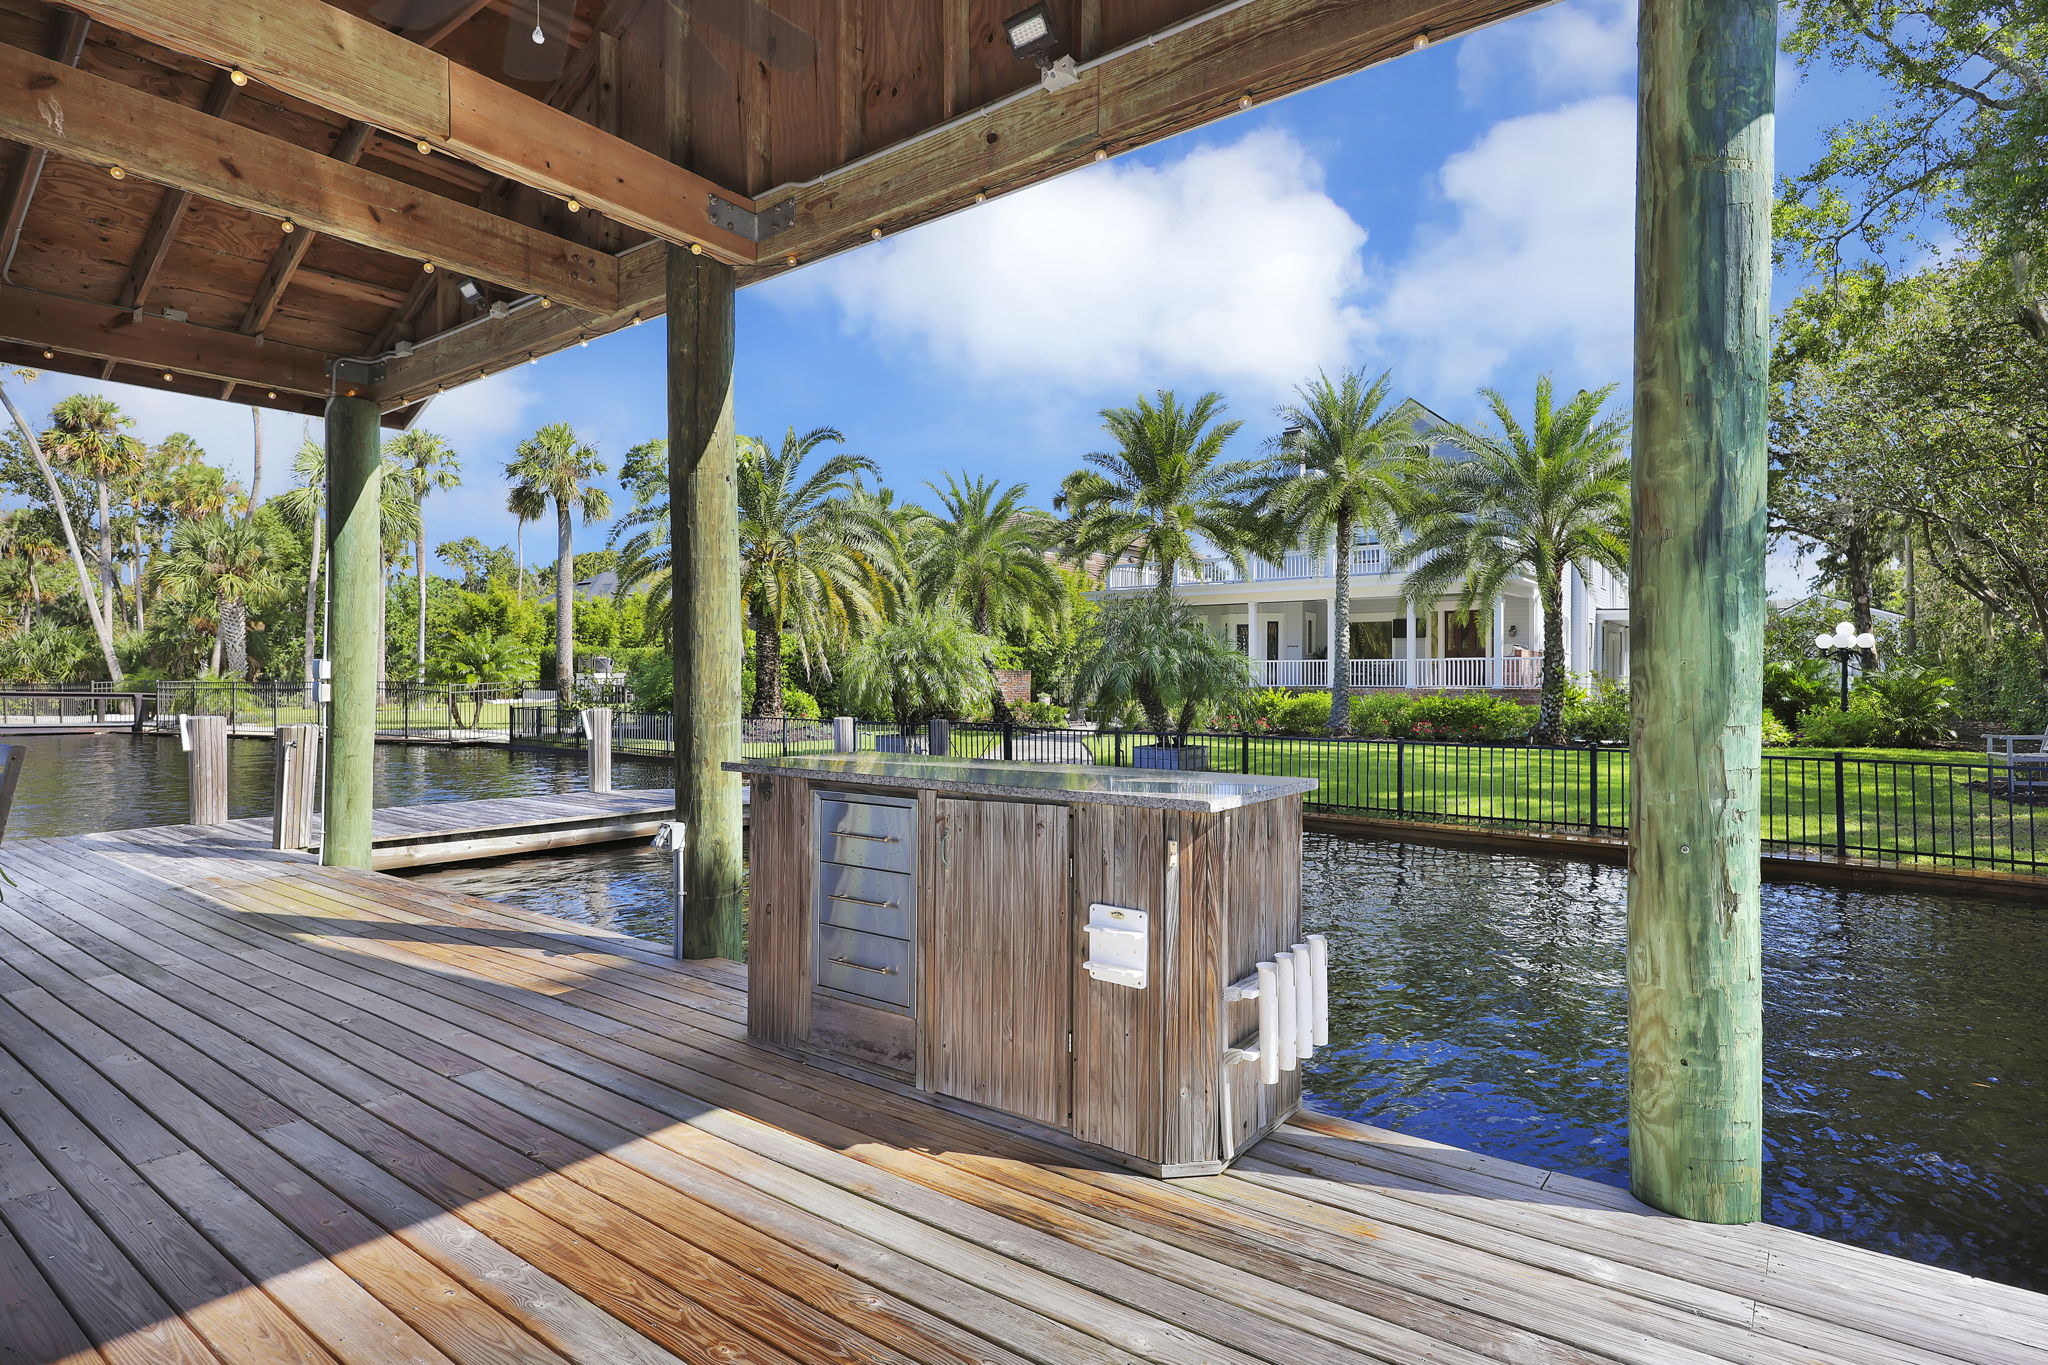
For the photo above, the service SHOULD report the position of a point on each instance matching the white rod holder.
(1304, 1004)
(1285, 1015)
(1269, 1024)
(1319, 972)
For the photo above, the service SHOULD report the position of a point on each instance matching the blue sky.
(1462, 215)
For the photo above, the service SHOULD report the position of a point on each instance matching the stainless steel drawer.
(870, 966)
(864, 898)
(865, 834)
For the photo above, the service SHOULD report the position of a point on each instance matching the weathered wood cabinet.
(928, 918)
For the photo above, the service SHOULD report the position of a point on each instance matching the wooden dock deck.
(258, 1110)
(465, 831)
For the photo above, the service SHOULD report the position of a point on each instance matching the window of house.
(1272, 639)
(1372, 639)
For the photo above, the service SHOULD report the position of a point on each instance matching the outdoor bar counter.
(1113, 954)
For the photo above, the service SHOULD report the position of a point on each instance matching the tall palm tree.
(983, 553)
(304, 505)
(1341, 468)
(102, 626)
(88, 431)
(1163, 490)
(554, 465)
(153, 494)
(429, 465)
(1532, 500)
(225, 559)
(805, 565)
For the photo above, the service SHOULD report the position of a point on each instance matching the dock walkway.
(259, 1110)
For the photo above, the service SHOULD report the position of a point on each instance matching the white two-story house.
(1282, 614)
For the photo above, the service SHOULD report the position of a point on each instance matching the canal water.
(1478, 999)
(74, 784)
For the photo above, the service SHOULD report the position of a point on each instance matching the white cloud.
(1586, 47)
(1537, 262)
(1230, 265)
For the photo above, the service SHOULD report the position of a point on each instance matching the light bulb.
(288, 226)
(49, 355)
(239, 77)
(575, 204)
(270, 393)
(117, 173)
(167, 376)
(538, 36)
(425, 147)
(427, 266)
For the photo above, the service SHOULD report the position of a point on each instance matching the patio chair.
(2025, 768)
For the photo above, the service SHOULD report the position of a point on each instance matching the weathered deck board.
(255, 1109)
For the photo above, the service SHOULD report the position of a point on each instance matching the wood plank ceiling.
(232, 245)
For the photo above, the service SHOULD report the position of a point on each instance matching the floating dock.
(260, 1110)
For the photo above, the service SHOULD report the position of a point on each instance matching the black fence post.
(1120, 747)
(231, 708)
(1400, 777)
(1244, 743)
(1841, 806)
(1593, 820)
(1009, 740)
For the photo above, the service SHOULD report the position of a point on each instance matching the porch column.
(1703, 236)
(1330, 642)
(355, 469)
(1496, 670)
(1409, 680)
(703, 545)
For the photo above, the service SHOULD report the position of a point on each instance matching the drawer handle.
(864, 967)
(856, 834)
(861, 900)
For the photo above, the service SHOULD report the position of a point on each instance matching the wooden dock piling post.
(844, 740)
(703, 536)
(355, 469)
(206, 764)
(597, 730)
(1703, 239)
(298, 783)
(11, 759)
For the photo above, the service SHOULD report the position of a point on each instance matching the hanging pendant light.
(538, 36)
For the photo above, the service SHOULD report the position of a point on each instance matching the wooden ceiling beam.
(284, 262)
(170, 213)
(121, 336)
(91, 119)
(349, 64)
(28, 171)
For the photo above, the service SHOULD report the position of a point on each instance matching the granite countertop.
(1159, 788)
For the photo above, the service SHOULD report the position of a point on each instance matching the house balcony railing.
(1366, 561)
(1516, 670)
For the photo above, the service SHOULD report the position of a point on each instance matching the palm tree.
(304, 505)
(102, 627)
(1341, 468)
(480, 657)
(555, 466)
(806, 564)
(1163, 489)
(428, 464)
(89, 433)
(1532, 501)
(929, 662)
(983, 552)
(26, 538)
(224, 559)
(152, 495)
(1156, 652)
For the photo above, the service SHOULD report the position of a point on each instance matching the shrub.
(1302, 713)
(1862, 726)
(1040, 713)
(1379, 715)
(798, 704)
(1472, 716)
(1777, 734)
(1915, 703)
(1792, 689)
(1602, 717)
(1255, 713)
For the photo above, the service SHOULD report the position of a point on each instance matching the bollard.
(941, 742)
(597, 732)
(297, 788)
(11, 759)
(842, 734)
(205, 739)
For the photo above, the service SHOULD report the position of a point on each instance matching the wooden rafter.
(28, 171)
(105, 123)
(284, 262)
(348, 64)
(170, 213)
(121, 336)
(463, 13)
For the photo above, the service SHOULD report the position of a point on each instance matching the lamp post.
(1845, 644)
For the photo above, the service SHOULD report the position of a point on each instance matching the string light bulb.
(49, 355)
(425, 147)
(546, 302)
(117, 173)
(351, 393)
(1102, 153)
(790, 259)
(538, 36)
(575, 204)
(696, 248)
(981, 196)
(238, 76)
(167, 376)
(427, 267)
(288, 226)
(1422, 40)
(270, 393)
(874, 234)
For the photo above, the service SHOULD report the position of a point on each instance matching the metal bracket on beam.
(359, 372)
(756, 225)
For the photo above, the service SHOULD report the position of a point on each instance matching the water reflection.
(75, 784)
(1478, 999)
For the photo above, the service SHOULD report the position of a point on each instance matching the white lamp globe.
(1823, 641)
(1845, 629)
(1866, 640)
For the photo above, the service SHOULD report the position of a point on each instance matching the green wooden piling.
(355, 467)
(704, 550)
(1696, 615)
